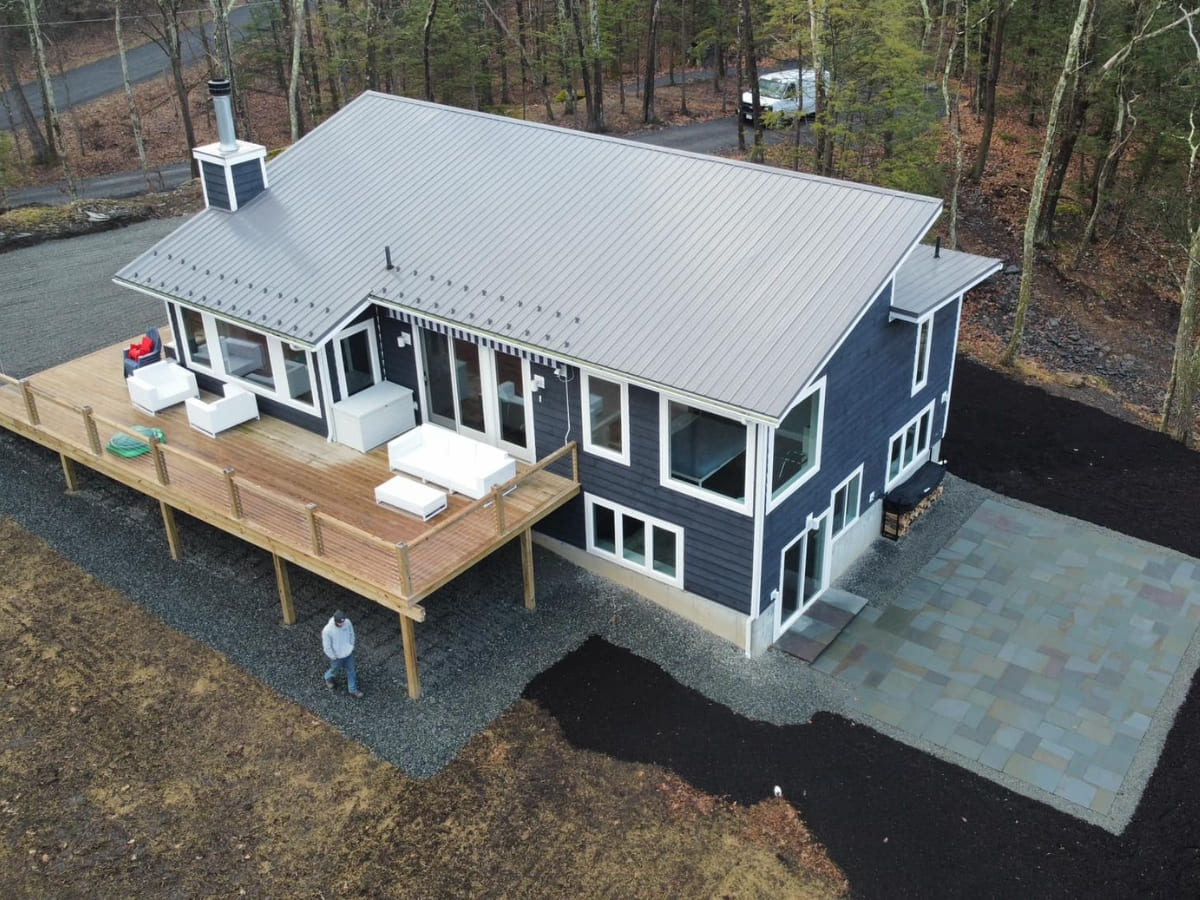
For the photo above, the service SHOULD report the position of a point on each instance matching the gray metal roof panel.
(687, 271)
(926, 281)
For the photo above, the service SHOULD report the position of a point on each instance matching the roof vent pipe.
(221, 93)
(937, 247)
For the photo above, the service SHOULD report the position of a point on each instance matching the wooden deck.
(306, 500)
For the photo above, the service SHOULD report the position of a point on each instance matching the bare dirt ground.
(135, 762)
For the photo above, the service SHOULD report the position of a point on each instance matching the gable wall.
(718, 543)
(868, 398)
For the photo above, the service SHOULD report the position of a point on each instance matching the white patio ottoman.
(411, 496)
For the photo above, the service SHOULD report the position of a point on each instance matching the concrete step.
(820, 624)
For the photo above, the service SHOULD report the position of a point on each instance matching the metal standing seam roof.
(721, 279)
(926, 281)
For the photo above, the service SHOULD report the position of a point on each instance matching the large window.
(909, 447)
(705, 454)
(271, 367)
(846, 497)
(796, 450)
(605, 418)
(921, 362)
(246, 354)
(634, 540)
(357, 359)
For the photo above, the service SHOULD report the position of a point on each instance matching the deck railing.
(184, 480)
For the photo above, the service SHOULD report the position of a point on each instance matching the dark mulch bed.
(901, 823)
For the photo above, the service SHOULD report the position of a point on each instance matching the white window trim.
(857, 473)
(590, 502)
(917, 461)
(813, 523)
(376, 375)
(210, 340)
(274, 351)
(921, 366)
(746, 506)
(586, 406)
(773, 501)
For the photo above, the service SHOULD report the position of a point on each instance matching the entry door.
(478, 392)
(804, 574)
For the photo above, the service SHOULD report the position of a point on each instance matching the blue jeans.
(347, 663)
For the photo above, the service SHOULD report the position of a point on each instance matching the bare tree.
(426, 40)
(294, 83)
(42, 152)
(53, 127)
(1039, 182)
(163, 29)
(651, 64)
(954, 114)
(135, 120)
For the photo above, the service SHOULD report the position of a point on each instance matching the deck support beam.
(68, 465)
(285, 589)
(408, 633)
(168, 516)
(527, 567)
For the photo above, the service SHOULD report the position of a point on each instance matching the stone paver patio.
(1032, 644)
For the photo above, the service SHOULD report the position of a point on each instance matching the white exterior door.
(803, 575)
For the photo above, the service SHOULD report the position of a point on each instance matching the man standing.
(337, 637)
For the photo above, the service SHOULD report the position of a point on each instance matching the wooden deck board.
(279, 469)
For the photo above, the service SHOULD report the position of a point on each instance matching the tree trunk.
(954, 112)
(134, 119)
(823, 146)
(426, 37)
(651, 60)
(683, 53)
(1106, 175)
(294, 84)
(41, 151)
(1039, 180)
(756, 151)
(584, 73)
(1179, 405)
(314, 75)
(989, 89)
(596, 122)
(170, 13)
(332, 66)
(53, 128)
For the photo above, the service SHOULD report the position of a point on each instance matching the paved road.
(86, 83)
(713, 136)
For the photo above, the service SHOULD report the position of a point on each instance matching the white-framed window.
(909, 447)
(634, 540)
(605, 417)
(283, 371)
(705, 454)
(844, 503)
(921, 358)
(796, 448)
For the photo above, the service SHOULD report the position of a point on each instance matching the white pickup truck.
(785, 94)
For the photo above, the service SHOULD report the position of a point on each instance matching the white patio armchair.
(237, 406)
(160, 385)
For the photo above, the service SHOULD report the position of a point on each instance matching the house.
(749, 358)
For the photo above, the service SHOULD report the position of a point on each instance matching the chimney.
(222, 98)
(232, 172)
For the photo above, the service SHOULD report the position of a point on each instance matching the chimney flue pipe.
(221, 93)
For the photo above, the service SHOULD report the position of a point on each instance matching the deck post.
(285, 589)
(68, 465)
(168, 515)
(235, 498)
(314, 527)
(527, 567)
(160, 462)
(498, 504)
(574, 461)
(30, 405)
(89, 424)
(408, 634)
(405, 570)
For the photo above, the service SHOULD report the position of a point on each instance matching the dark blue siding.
(399, 363)
(247, 181)
(214, 185)
(868, 398)
(269, 407)
(718, 543)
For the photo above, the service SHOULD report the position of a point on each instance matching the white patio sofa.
(160, 385)
(237, 406)
(444, 457)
